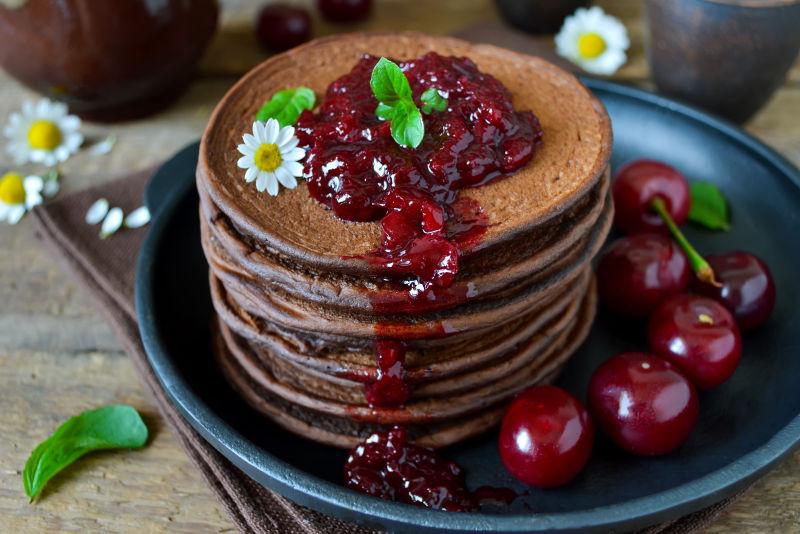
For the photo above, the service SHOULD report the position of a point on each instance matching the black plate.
(745, 425)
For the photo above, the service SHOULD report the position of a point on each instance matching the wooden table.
(58, 357)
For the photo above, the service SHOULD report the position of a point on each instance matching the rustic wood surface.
(58, 357)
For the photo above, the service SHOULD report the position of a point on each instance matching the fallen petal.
(97, 211)
(111, 223)
(137, 218)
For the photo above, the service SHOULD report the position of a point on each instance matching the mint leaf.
(407, 125)
(708, 206)
(111, 427)
(287, 105)
(395, 103)
(388, 83)
(433, 101)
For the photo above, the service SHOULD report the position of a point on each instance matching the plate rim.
(342, 502)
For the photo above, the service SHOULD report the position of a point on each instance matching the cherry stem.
(699, 265)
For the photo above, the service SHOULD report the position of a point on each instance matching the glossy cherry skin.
(643, 403)
(699, 335)
(748, 289)
(637, 184)
(281, 27)
(546, 437)
(639, 272)
(345, 10)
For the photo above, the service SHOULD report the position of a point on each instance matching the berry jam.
(385, 465)
(354, 167)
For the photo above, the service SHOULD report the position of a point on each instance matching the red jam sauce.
(385, 465)
(354, 167)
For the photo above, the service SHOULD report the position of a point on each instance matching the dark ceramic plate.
(745, 426)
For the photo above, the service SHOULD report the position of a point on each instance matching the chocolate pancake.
(572, 160)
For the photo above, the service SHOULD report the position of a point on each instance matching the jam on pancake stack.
(419, 287)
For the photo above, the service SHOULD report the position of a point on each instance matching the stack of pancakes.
(299, 313)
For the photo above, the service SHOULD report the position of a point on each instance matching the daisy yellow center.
(268, 157)
(44, 135)
(591, 45)
(11, 189)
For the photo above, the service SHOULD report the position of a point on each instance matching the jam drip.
(385, 465)
(354, 167)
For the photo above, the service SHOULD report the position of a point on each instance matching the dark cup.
(728, 56)
(538, 16)
(107, 59)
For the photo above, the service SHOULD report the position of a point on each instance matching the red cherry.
(747, 288)
(281, 27)
(345, 10)
(637, 184)
(699, 336)
(638, 272)
(643, 403)
(546, 437)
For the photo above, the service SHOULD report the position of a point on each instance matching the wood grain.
(57, 356)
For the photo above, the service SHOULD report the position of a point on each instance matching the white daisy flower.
(271, 156)
(43, 133)
(593, 40)
(19, 195)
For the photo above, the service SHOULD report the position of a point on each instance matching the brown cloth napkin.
(104, 268)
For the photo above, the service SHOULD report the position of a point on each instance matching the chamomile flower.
(19, 195)
(271, 157)
(593, 40)
(43, 133)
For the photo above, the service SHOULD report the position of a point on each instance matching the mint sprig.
(287, 105)
(708, 206)
(110, 427)
(432, 101)
(396, 104)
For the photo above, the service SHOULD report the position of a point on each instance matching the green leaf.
(388, 83)
(110, 427)
(433, 101)
(287, 105)
(407, 125)
(708, 206)
(395, 103)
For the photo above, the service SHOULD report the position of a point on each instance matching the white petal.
(61, 153)
(32, 199)
(33, 184)
(264, 179)
(285, 135)
(74, 141)
(15, 213)
(70, 123)
(43, 108)
(287, 180)
(246, 150)
(4, 209)
(104, 147)
(250, 141)
(111, 223)
(28, 108)
(251, 174)
(271, 129)
(245, 162)
(294, 154)
(290, 144)
(259, 132)
(294, 168)
(97, 211)
(272, 185)
(138, 217)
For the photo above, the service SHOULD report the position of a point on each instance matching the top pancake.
(576, 149)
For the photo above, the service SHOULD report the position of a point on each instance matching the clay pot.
(727, 56)
(538, 16)
(107, 60)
